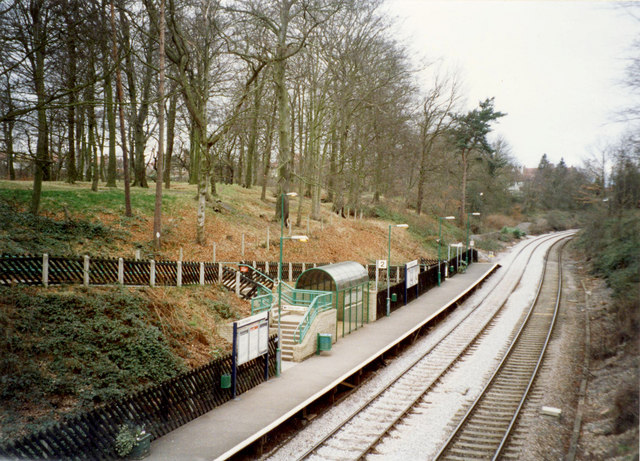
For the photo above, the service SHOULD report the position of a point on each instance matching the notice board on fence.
(252, 336)
(413, 270)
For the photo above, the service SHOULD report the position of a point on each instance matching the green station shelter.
(349, 282)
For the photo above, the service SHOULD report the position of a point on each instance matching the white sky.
(555, 67)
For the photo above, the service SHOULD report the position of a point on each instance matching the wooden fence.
(427, 279)
(159, 409)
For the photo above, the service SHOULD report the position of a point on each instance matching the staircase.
(291, 318)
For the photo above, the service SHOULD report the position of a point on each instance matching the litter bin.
(324, 342)
(225, 381)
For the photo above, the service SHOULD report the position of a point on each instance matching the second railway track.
(486, 426)
(361, 431)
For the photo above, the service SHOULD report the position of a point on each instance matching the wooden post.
(290, 273)
(303, 267)
(201, 273)
(152, 273)
(220, 274)
(397, 274)
(238, 283)
(85, 272)
(179, 274)
(268, 238)
(180, 257)
(266, 267)
(45, 270)
(138, 255)
(121, 271)
(214, 252)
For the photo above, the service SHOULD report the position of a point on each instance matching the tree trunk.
(266, 156)
(157, 217)
(171, 125)
(42, 156)
(120, 94)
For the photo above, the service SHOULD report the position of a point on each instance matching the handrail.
(256, 270)
(261, 303)
(312, 312)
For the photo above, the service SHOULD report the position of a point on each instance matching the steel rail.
(475, 405)
(374, 397)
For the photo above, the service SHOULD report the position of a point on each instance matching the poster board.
(412, 271)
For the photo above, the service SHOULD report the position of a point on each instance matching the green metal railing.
(323, 301)
(261, 302)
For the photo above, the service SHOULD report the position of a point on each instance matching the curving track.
(485, 428)
(360, 432)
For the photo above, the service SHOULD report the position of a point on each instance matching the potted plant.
(132, 442)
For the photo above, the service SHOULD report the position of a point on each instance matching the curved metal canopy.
(342, 275)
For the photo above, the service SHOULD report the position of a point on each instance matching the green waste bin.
(225, 381)
(324, 342)
(394, 297)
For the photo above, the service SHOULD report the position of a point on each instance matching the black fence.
(159, 409)
(427, 279)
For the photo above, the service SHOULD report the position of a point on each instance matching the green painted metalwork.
(323, 301)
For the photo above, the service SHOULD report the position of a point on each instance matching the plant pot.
(142, 448)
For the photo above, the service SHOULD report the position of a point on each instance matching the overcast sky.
(555, 67)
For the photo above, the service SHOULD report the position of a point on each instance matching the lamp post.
(279, 348)
(440, 218)
(466, 256)
(389, 265)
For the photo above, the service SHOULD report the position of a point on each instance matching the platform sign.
(252, 337)
(250, 340)
(413, 270)
(381, 263)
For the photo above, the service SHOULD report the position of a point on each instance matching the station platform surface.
(229, 428)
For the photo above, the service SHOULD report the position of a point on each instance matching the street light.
(389, 265)
(466, 256)
(440, 218)
(282, 238)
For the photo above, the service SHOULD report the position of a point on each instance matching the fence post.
(220, 274)
(179, 274)
(214, 252)
(152, 273)
(397, 274)
(303, 267)
(201, 273)
(121, 271)
(266, 268)
(238, 283)
(137, 255)
(268, 238)
(45, 270)
(290, 273)
(180, 257)
(85, 272)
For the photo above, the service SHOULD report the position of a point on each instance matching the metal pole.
(388, 275)
(279, 348)
(466, 256)
(439, 241)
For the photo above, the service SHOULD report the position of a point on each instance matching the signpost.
(412, 270)
(250, 340)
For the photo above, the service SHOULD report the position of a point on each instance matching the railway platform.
(231, 427)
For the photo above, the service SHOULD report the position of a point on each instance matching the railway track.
(360, 432)
(484, 430)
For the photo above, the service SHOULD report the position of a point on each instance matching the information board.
(252, 337)
(413, 270)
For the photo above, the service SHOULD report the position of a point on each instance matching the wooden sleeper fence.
(159, 409)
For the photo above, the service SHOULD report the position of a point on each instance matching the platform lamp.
(389, 265)
(440, 218)
(466, 257)
(303, 238)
